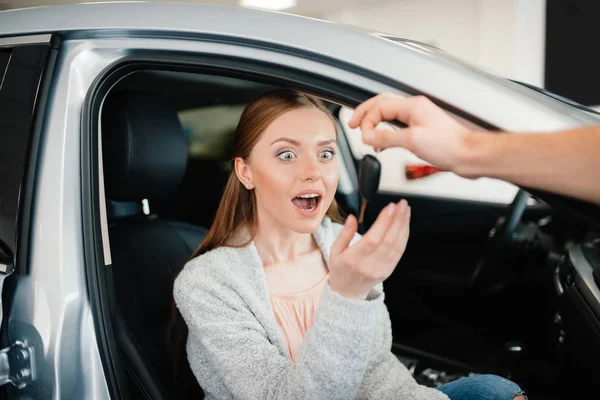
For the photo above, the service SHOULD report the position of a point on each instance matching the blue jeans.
(481, 387)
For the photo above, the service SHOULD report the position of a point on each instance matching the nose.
(310, 170)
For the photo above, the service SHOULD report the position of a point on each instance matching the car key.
(369, 173)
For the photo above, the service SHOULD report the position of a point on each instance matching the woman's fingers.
(373, 239)
(345, 236)
(377, 231)
(355, 270)
(404, 233)
(394, 242)
(391, 235)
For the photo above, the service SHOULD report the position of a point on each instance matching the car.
(116, 125)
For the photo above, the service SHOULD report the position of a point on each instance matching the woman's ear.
(243, 172)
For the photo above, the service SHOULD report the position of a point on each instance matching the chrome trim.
(22, 40)
(5, 70)
(584, 279)
(102, 198)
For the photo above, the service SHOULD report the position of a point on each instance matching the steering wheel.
(499, 238)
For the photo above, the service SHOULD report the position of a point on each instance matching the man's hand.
(431, 135)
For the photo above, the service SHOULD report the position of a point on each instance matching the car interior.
(475, 291)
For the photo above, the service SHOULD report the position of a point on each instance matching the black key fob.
(369, 174)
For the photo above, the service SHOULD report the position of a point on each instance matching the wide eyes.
(288, 155)
(327, 155)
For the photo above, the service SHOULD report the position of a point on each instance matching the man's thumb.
(345, 237)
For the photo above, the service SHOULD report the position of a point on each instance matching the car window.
(11, 159)
(210, 130)
(20, 71)
(395, 161)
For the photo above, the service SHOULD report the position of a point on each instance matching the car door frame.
(331, 80)
(35, 56)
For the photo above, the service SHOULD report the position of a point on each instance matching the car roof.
(400, 60)
(165, 17)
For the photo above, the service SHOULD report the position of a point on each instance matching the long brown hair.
(238, 204)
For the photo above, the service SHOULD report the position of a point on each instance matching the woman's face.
(293, 170)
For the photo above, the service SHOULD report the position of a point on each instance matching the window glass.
(18, 93)
(210, 130)
(394, 163)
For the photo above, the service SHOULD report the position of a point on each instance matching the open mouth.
(307, 202)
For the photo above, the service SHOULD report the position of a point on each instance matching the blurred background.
(547, 43)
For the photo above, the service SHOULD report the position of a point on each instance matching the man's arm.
(564, 162)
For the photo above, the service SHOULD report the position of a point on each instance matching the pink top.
(295, 314)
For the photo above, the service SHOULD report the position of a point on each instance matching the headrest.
(143, 145)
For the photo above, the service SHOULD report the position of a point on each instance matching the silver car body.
(52, 299)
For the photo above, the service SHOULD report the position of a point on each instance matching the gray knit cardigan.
(236, 350)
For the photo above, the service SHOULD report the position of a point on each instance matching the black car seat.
(144, 156)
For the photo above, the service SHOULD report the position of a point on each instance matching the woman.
(279, 300)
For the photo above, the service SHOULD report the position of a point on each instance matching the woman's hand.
(355, 270)
(431, 135)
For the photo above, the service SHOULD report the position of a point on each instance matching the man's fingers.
(361, 110)
(383, 107)
(374, 110)
(380, 110)
(384, 138)
(345, 237)
(387, 107)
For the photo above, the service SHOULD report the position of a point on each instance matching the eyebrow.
(296, 143)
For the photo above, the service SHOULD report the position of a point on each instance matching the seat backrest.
(144, 157)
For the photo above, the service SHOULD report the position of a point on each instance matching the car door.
(26, 63)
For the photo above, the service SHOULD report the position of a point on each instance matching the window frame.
(43, 50)
(46, 48)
